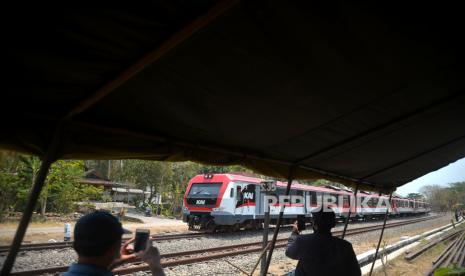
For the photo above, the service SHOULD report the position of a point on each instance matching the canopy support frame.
(381, 234)
(278, 222)
(48, 159)
(152, 56)
(384, 126)
(350, 211)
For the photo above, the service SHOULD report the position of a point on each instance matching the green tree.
(8, 184)
(61, 188)
(146, 175)
(442, 198)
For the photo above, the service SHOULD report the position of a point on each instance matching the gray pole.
(265, 239)
(381, 235)
(278, 223)
(350, 211)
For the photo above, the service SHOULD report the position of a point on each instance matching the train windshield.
(205, 190)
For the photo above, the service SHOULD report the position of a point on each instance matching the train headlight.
(217, 209)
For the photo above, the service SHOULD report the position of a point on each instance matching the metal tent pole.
(265, 239)
(381, 235)
(278, 223)
(350, 211)
(47, 161)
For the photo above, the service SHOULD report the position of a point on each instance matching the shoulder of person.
(343, 242)
(305, 237)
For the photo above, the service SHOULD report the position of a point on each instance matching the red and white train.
(233, 201)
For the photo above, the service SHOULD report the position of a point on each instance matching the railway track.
(156, 238)
(60, 245)
(195, 256)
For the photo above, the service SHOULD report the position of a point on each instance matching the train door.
(239, 199)
(246, 198)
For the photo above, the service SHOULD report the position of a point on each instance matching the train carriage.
(233, 201)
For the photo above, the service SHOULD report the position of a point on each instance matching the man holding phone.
(97, 241)
(320, 253)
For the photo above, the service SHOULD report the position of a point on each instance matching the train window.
(281, 191)
(295, 194)
(370, 202)
(345, 201)
(205, 189)
(333, 198)
(383, 202)
(380, 202)
(231, 193)
(375, 201)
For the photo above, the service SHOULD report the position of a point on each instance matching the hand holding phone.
(301, 224)
(142, 236)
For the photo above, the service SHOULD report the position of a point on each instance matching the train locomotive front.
(203, 196)
(220, 202)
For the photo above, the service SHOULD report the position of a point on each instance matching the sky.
(454, 172)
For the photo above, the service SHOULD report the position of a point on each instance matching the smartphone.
(142, 236)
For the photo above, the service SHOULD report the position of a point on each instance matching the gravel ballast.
(61, 257)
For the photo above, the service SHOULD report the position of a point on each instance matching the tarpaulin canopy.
(368, 93)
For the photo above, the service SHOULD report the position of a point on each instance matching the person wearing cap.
(97, 241)
(320, 253)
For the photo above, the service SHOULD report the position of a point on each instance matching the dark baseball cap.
(99, 228)
(325, 218)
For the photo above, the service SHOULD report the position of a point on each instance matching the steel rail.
(61, 245)
(413, 254)
(452, 254)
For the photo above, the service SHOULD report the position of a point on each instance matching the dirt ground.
(395, 267)
(417, 267)
(52, 230)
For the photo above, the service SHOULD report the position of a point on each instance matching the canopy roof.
(359, 93)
